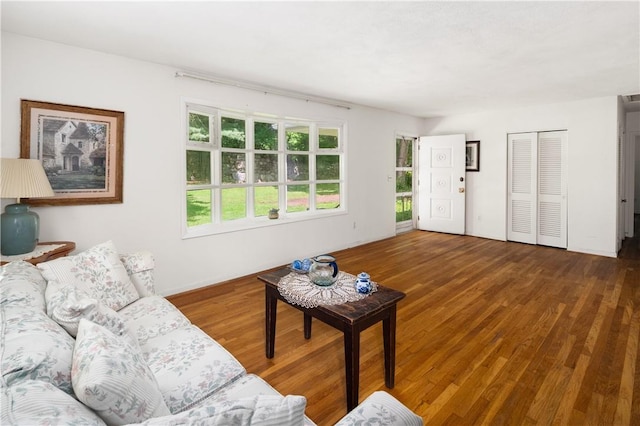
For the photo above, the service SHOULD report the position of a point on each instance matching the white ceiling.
(420, 58)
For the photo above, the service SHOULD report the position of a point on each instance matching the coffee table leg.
(352, 366)
(307, 326)
(270, 322)
(389, 337)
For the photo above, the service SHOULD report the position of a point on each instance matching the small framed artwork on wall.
(81, 150)
(473, 156)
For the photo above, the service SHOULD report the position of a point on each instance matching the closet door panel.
(522, 191)
(552, 189)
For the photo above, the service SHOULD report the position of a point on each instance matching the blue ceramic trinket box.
(363, 283)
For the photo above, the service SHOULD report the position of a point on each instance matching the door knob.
(461, 190)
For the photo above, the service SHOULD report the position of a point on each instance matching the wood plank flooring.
(490, 333)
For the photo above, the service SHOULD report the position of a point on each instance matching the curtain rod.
(264, 89)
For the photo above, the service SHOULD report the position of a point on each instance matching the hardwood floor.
(490, 333)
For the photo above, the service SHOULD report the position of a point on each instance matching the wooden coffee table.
(350, 318)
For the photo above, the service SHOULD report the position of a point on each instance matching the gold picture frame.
(81, 150)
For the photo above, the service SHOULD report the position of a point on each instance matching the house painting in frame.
(80, 149)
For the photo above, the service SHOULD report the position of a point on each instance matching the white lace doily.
(39, 251)
(298, 289)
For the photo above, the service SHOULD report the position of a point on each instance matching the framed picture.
(81, 150)
(473, 156)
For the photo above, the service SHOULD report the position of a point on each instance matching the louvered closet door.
(522, 200)
(537, 179)
(552, 189)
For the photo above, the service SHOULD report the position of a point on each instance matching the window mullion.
(249, 158)
(215, 171)
(282, 168)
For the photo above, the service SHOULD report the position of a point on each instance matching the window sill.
(261, 222)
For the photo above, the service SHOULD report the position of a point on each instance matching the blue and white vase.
(363, 283)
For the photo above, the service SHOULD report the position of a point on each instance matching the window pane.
(327, 138)
(199, 127)
(404, 181)
(266, 168)
(233, 134)
(265, 199)
(198, 167)
(327, 167)
(198, 207)
(327, 196)
(404, 206)
(297, 198)
(297, 167)
(297, 138)
(233, 168)
(234, 203)
(266, 136)
(404, 152)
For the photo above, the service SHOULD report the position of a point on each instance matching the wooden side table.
(66, 248)
(351, 318)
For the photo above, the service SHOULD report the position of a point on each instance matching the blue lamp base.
(20, 228)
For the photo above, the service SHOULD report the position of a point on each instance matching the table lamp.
(21, 178)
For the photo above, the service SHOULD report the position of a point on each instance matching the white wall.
(149, 218)
(592, 164)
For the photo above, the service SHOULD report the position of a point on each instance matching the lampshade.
(19, 227)
(22, 178)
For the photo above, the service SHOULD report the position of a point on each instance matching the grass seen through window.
(199, 204)
(198, 207)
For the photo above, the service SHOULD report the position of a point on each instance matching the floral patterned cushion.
(140, 267)
(67, 305)
(152, 316)
(111, 376)
(98, 271)
(246, 386)
(21, 282)
(22, 404)
(380, 408)
(272, 410)
(189, 366)
(34, 347)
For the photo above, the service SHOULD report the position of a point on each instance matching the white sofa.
(85, 340)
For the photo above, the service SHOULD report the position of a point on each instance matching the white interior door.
(441, 183)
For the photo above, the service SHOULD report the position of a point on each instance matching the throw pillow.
(99, 271)
(110, 376)
(140, 266)
(67, 305)
(276, 410)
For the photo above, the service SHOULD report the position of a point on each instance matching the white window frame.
(408, 224)
(214, 147)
